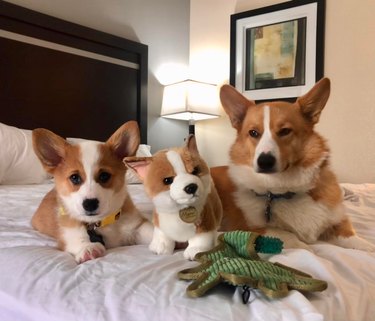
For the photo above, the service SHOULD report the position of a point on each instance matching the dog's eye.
(196, 171)
(253, 133)
(168, 180)
(104, 177)
(75, 179)
(284, 132)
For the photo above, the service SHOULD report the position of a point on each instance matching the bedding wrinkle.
(353, 279)
(40, 283)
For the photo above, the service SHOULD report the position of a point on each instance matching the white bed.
(38, 282)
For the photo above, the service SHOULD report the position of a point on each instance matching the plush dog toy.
(235, 261)
(186, 204)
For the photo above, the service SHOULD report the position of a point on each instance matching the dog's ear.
(125, 141)
(235, 105)
(191, 144)
(313, 102)
(49, 148)
(139, 165)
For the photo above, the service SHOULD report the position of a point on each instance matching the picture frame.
(277, 52)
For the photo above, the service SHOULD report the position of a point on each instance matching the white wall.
(163, 25)
(348, 122)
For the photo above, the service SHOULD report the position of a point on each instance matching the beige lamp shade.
(190, 100)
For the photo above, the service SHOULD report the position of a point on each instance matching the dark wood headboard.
(73, 80)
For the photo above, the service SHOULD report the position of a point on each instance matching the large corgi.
(279, 180)
(89, 209)
(187, 207)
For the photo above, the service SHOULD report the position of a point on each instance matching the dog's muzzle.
(191, 188)
(90, 205)
(266, 163)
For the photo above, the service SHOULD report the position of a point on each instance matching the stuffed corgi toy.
(187, 207)
(89, 209)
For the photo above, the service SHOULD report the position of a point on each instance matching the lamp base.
(191, 128)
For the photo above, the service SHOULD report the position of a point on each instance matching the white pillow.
(131, 176)
(18, 162)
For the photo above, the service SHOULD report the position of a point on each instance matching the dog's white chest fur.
(172, 226)
(300, 215)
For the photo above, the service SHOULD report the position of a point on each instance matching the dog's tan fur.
(302, 166)
(62, 159)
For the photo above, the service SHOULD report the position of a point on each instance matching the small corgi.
(187, 207)
(279, 179)
(89, 208)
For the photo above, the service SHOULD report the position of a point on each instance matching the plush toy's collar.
(269, 199)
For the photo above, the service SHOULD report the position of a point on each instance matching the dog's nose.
(191, 188)
(90, 204)
(266, 162)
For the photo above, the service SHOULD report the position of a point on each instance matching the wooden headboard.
(73, 80)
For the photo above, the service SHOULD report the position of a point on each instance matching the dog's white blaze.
(176, 162)
(90, 156)
(266, 143)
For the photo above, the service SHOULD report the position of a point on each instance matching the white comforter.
(38, 282)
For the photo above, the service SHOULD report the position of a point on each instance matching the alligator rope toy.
(235, 261)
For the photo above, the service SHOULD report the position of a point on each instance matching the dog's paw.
(354, 242)
(200, 242)
(89, 252)
(290, 240)
(162, 246)
(191, 251)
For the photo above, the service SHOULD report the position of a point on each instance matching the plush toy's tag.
(189, 214)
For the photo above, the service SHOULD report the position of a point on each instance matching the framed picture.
(277, 52)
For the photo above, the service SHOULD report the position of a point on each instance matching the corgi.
(89, 209)
(279, 180)
(187, 207)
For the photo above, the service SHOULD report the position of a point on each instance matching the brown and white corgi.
(90, 199)
(279, 180)
(186, 204)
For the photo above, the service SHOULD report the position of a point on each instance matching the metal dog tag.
(189, 214)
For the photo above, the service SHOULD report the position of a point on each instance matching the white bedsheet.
(38, 282)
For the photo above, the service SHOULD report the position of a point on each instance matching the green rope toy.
(235, 261)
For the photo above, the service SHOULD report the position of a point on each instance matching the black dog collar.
(269, 199)
(91, 227)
